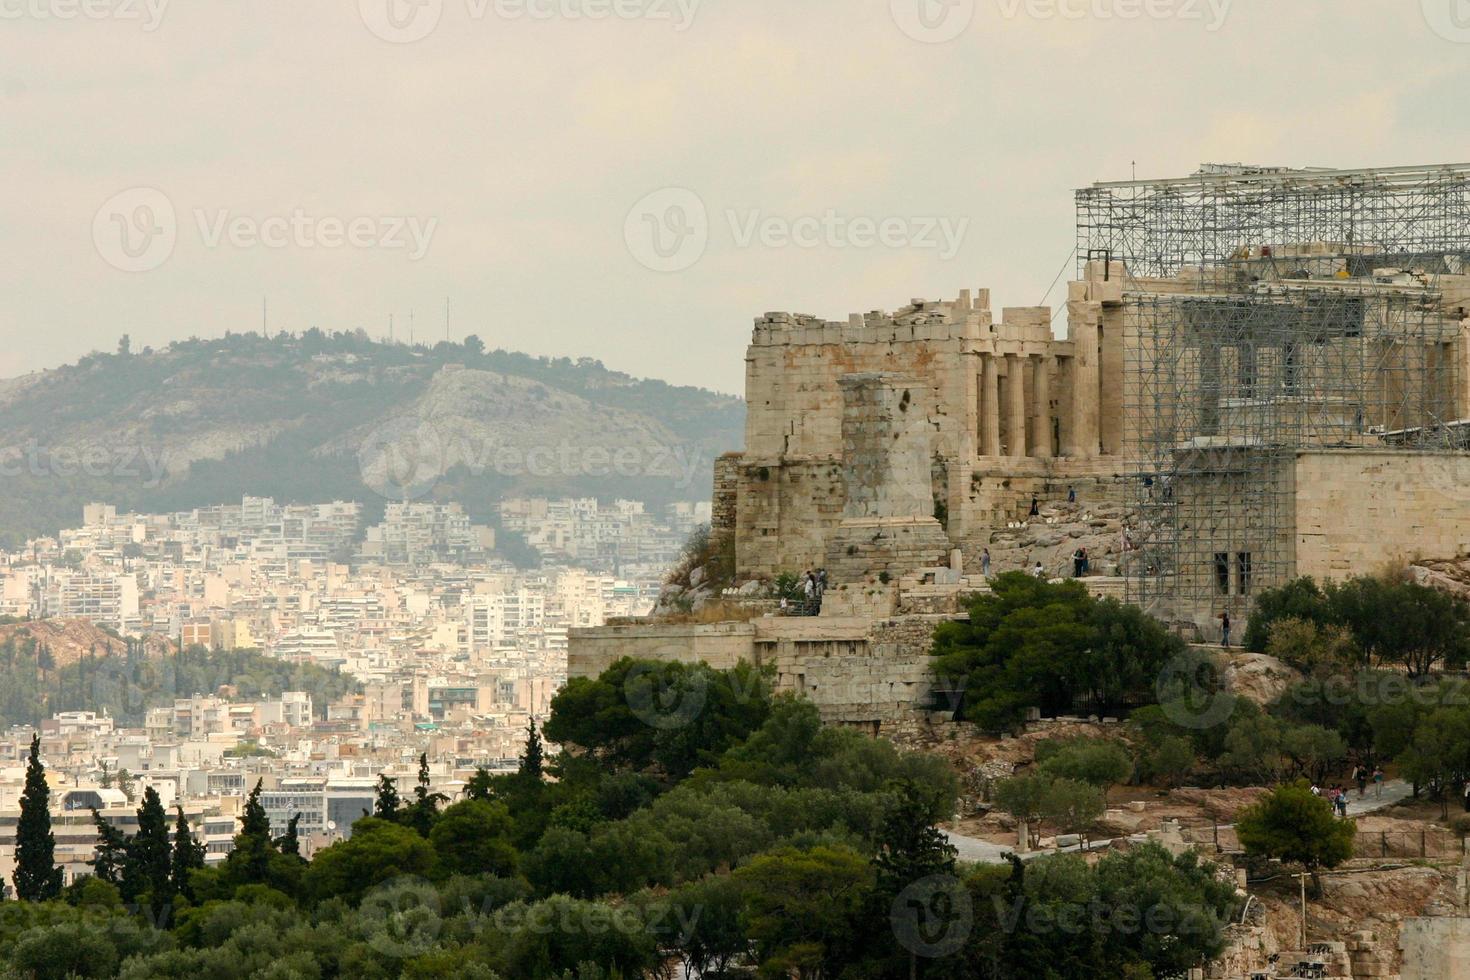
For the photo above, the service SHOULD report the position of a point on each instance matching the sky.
(636, 180)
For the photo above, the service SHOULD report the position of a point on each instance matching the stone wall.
(858, 671)
(1357, 510)
(721, 645)
(1435, 948)
(725, 500)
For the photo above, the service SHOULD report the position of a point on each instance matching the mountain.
(317, 417)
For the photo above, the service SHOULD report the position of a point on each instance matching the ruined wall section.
(791, 487)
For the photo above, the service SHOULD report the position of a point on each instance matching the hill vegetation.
(205, 421)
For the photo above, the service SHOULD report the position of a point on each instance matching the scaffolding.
(1268, 311)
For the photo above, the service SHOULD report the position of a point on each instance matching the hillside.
(303, 418)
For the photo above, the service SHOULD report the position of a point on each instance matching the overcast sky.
(636, 187)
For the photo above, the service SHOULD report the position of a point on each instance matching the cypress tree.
(37, 878)
(249, 863)
(188, 854)
(425, 805)
(385, 807)
(111, 853)
(290, 843)
(147, 871)
(533, 760)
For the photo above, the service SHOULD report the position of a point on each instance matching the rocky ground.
(71, 639)
(1053, 537)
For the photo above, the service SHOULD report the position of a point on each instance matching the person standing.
(1035, 506)
(1071, 495)
(1077, 563)
(1225, 629)
(1360, 773)
(985, 563)
(1378, 783)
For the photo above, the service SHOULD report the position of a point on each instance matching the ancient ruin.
(1263, 374)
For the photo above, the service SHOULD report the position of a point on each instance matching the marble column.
(1015, 405)
(1041, 399)
(1082, 327)
(989, 406)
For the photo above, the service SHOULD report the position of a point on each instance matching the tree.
(479, 785)
(36, 878)
(531, 762)
(290, 842)
(1316, 649)
(146, 871)
(188, 854)
(1171, 760)
(1073, 806)
(1293, 825)
(1024, 798)
(249, 862)
(1099, 762)
(910, 846)
(111, 851)
(472, 837)
(1300, 599)
(1399, 621)
(425, 803)
(1314, 751)
(803, 908)
(1034, 644)
(378, 851)
(385, 807)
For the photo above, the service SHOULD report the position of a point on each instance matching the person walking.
(1071, 495)
(809, 590)
(1360, 773)
(1378, 783)
(985, 563)
(1225, 629)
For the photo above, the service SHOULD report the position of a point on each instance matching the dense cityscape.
(443, 647)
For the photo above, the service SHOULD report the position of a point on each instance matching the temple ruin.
(1264, 369)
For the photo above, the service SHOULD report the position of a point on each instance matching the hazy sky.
(634, 180)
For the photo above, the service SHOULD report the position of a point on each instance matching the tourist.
(985, 563)
(1035, 506)
(1071, 495)
(1086, 562)
(1378, 783)
(1077, 563)
(1342, 804)
(1225, 629)
(809, 590)
(1038, 571)
(1360, 776)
